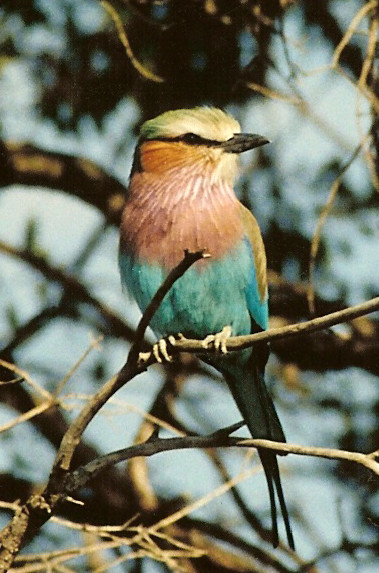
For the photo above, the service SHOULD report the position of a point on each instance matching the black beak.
(243, 142)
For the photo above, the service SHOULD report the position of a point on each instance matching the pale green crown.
(207, 122)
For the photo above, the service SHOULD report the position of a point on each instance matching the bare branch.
(367, 460)
(78, 478)
(368, 7)
(235, 343)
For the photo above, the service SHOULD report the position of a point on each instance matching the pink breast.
(161, 220)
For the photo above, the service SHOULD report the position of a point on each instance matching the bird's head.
(201, 140)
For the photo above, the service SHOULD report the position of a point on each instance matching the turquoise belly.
(204, 299)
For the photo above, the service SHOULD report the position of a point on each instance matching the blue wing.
(256, 292)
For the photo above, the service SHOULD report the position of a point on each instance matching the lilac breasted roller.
(180, 197)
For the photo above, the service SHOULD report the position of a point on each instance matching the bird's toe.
(218, 340)
(160, 351)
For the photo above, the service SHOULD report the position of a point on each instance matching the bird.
(180, 198)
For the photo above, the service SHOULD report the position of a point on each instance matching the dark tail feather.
(267, 463)
(271, 469)
(247, 385)
(283, 506)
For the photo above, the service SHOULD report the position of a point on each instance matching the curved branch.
(29, 165)
(125, 42)
(131, 369)
(39, 508)
(79, 478)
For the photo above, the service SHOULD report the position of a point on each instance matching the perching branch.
(235, 343)
(287, 300)
(38, 509)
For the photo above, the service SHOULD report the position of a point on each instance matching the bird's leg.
(218, 340)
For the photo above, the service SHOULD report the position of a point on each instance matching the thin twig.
(93, 344)
(321, 222)
(26, 416)
(351, 30)
(371, 50)
(273, 94)
(125, 42)
(25, 376)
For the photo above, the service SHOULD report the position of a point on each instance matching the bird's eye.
(191, 138)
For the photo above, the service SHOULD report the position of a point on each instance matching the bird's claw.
(174, 337)
(218, 340)
(160, 351)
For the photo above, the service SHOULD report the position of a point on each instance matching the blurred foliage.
(206, 51)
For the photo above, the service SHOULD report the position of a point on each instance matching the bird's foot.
(159, 350)
(218, 340)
